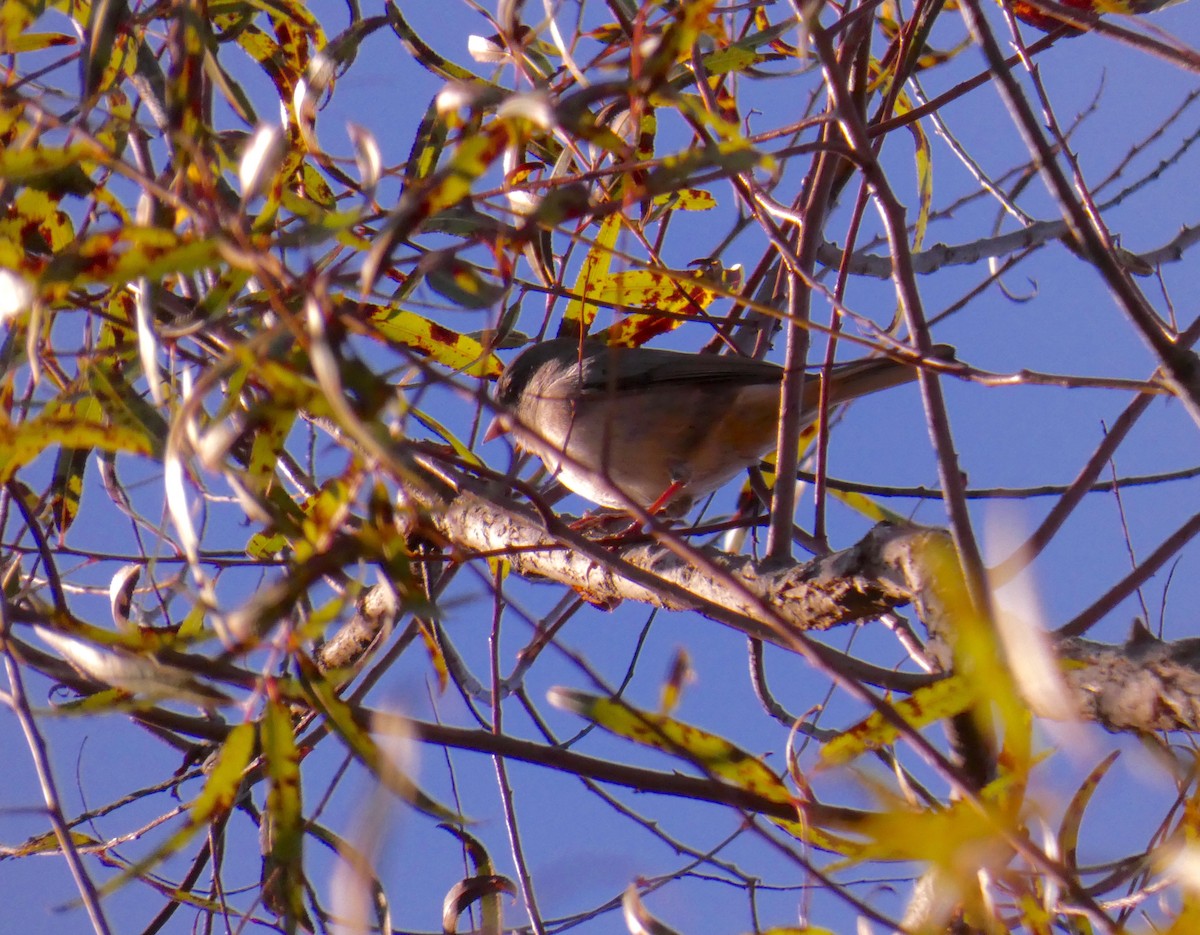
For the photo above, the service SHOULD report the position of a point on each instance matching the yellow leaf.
(577, 319)
(928, 705)
(457, 351)
(687, 199)
(220, 791)
(20, 444)
(711, 753)
(871, 509)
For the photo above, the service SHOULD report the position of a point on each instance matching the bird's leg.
(679, 479)
(666, 496)
(658, 507)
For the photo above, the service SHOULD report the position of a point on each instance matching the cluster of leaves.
(235, 366)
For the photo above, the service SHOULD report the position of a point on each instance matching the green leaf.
(283, 865)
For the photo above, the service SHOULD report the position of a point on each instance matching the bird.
(654, 427)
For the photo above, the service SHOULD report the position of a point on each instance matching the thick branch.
(1144, 685)
(858, 583)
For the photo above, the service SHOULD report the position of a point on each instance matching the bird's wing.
(607, 369)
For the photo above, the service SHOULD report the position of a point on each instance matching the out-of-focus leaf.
(124, 408)
(133, 673)
(36, 223)
(110, 46)
(34, 41)
(733, 157)
(235, 96)
(638, 919)
(282, 378)
(362, 745)
(485, 890)
(286, 55)
(422, 52)
(735, 58)
(17, 291)
(428, 143)
(35, 164)
(1072, 820)
(15, 18)
(264, 50)
(773, 34)
(444, 189)
(113, 134)
(722, 125)
(66, 486)
(325, 515)
(309, 189)
(319, 518)
(22, 442)
(717, 756)
(461, 451)
(269, 439)
(943, 837)
(470, 159)
(47, 844)
(798, 930)
(187, 43)
(463, 284)
(979, 656)
(678, 676)
(261, 159)
(367, 155)
(871, 509)
(687, 199)
(435, 653)
(118, 256)
(192, 627)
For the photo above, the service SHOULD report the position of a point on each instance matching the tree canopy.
(290, 645)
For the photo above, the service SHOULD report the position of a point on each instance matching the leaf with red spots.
(1041, 16)
(460, 352)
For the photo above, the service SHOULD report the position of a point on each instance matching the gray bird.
(658, 426)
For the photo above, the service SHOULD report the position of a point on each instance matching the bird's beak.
(497, 427)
